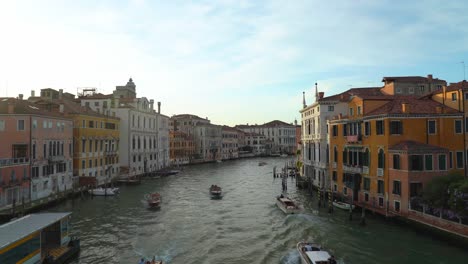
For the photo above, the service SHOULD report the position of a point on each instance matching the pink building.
(35, 153)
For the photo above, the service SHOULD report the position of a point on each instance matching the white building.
(186, 123)
(207, 141)
(257, 143)
(281, 134)
(162, 157)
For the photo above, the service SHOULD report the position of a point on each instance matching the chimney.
(438, 109)
(405, 107)
(20, 96)
(340, 116)
(60, 94)
(429, 77)
(61, 108)
(321, 95)
(32, 93)
(11, 107)
(152, 104)
(159, 107)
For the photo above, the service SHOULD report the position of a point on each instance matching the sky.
(232, 61)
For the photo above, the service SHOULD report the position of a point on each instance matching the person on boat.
(332, 260)
(154, 260)
(308, 247)
(142, 261)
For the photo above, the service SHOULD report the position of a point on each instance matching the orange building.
(181, 147)
(388, 147)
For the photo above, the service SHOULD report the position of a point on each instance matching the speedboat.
(342, 205)
(153, 200)
(215, 192)
(104, 191)
(312, 253)
(287, 205)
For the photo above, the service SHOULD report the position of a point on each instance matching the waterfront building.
(230, 143)
(36, 153)
(187, 122)
(95, 139)
(257, 143)
(182, 148)
(141, 149)
(207, 138)
(281, 134)
(386, 148)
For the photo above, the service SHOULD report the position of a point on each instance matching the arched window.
(381, 159)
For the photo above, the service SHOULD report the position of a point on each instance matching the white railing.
(353, 169)
(13, 162)
(365, 169)
(380, 172)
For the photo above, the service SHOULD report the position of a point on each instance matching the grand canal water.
(244, 227)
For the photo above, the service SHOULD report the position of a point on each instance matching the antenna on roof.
(464, 67)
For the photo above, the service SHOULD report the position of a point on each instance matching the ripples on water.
(243, 227)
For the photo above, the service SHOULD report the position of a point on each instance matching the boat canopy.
(318, 256)
(24, 226)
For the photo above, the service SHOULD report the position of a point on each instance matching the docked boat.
(104, 191)
(38, 238)
(216, 192)
(342, 205)
(287, 205)
(165, 173)
(312, 253)
(153, 200)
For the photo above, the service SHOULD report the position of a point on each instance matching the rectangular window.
(398, 90)
(396, 187)
(335, 177)
(454, 96)
(345, 191)
(397, 206)
(416, 162)
(428, 162)
(83, 164)
(411, 90)
(335, 130)
(20, 125)
(351, 112)
(50, 124)
(83, 145)
(367, 128)
(380, 128)
(83, 124)
(396, 128)
(2, 125)
(431, 127)
(442, 162)
(458, 126)
(90, 163)
(358, 110)
(466, 124)
(459, 159)
(91, 124)
(396, 161)
(331, 108)
(366, 184)
(44, 124)
(380, 186)
(34, 124)
(345, 129)
(366, 197)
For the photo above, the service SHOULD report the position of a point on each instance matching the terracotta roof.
(360, 91)
(228, 128)
(186, 116)
(96, 96)
(417, 106)
(71, 107)
(410, 79)
(414, 146)
(456, 86)
(24, 107)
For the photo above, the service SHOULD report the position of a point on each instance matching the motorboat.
(104, 191)
(215, 192)
(262, 163)
(153, 200)
(342, 205)
(287, 205)
(283, 155)
(312, 253)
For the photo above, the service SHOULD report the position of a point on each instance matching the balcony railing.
(353, 138)
(110, 152)
(56, 158)
(365, 169)
(13, 162)
(352, 168)
(379, 172)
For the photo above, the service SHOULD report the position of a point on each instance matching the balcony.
(352, 169)
(56, 158)
(380, 172)
(13, 162)
(110, 152)
(354, 139)
(365, 169)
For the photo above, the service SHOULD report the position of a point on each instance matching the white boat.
(287, 205)
(104, 191)
(283, 155)
(341, 205)
(312, 253)
(216, 192)
(153, 200)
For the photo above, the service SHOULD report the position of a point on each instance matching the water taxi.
(342, 205)
(216, 192)
(38, 238)
(153, 200)
(312, 253)
(287, 205)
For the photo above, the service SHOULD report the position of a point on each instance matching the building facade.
(182, 148)
(208, 140)
(230, 143)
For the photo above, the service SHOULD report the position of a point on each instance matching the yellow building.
(376, 157)
(95, 141)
